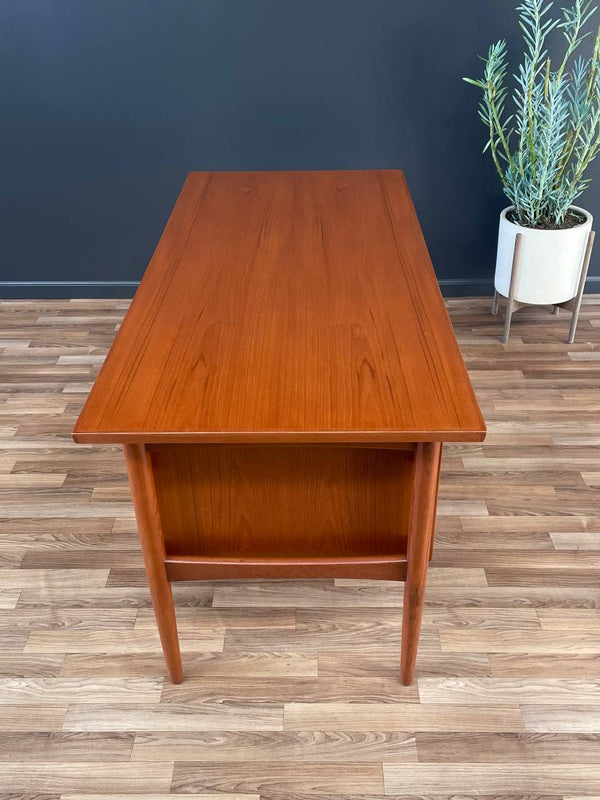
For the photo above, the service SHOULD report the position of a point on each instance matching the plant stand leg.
(582, 277)
(514, 281)
(495, 303)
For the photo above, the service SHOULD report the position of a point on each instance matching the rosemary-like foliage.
(542, 150)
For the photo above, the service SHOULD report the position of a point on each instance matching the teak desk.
(282, 385)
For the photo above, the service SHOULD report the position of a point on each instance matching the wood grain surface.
(283, 502)
(286, 306)
(292, 688)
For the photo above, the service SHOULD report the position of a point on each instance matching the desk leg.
(422, 522)
(153, 548)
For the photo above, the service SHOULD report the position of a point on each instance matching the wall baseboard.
(64, 290)
(47, 290)
(484, 287)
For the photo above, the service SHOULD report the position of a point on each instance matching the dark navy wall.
(107, 104)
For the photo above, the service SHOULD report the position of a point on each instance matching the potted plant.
(541, 152)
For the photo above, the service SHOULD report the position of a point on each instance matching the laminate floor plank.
(508, 748)
(570, 523)
(401, 717)
(110, 597)
(197, 691)
(446, 617)
(515, 641)
(58, 527)
(71, 618)
(86, 776)
(292, 688)
(334, 637)
(478, 540)
(64, 747)
(485, 617)
(214, 619)
(61, 691)
(498, 598)
(171, 717)
(477, 779)
(9, 598)
(387, 665)
(301, 746)
(559, 719)
(312, 778)
(17, 665)
(579, 561)
(577, 540)
(76, 559)
(292, 594)
(437, 578)
(153, 796)
(65, 541)
(55, 578)
(40, 717)
(485, 691)
(116, 641)
(271, 665)
(557, 665)
(569, 619)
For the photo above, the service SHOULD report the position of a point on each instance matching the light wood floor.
(292, 688)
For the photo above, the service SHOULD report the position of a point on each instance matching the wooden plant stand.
(513, 305)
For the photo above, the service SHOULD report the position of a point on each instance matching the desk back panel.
(283, 501)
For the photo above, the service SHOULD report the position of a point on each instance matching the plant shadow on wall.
(541, 152)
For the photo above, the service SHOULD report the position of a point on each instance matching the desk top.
(286, 307)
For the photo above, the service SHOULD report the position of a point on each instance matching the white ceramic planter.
(551, 261)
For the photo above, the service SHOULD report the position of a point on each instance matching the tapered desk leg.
(153, 549)
(422, 520)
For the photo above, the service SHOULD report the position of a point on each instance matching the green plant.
(542, 150)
